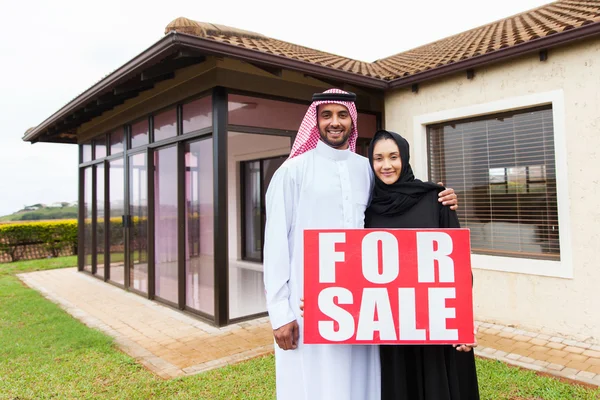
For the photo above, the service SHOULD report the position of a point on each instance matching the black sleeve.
(449, 219)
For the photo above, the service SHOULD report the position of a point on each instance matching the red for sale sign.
(365, 286)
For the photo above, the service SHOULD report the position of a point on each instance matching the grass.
(498, 381)
(47, 354)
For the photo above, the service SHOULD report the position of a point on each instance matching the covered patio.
(177, 148)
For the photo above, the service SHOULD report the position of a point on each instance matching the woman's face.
(386, 161)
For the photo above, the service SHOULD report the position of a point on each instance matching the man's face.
(335, 125)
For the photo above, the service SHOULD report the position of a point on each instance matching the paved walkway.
(164, 340)
(172, 344)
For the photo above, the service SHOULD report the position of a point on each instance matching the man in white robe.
(323, 185)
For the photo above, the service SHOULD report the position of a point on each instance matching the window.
(165, 125)
(503, 170)
(86, 152)
(256, 176)
(197, 115)
(139, 133)
(116, 141)
(265, 113)
(100, 147)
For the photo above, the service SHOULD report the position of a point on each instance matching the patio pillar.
(221, 249)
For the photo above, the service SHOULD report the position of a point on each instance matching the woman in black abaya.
(415, 372)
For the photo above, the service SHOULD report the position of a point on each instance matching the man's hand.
(287, 336)
(448, 197)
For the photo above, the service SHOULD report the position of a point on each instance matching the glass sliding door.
(100, 220)
(252, 161)
(252, 200)
(87, 219)
(138, 222)
(165, 224)
(116, 213)
(199, 224)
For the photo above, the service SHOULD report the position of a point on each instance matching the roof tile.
(547, 20)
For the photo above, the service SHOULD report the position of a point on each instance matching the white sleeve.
(280, 210)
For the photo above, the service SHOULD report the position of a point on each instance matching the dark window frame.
(243, 202)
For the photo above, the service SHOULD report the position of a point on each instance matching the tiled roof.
(544, 21)
(258, 42)
(550, 19)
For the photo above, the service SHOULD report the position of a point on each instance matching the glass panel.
(100, 220)
(165, 125)
(100, 147)
(199, 251)
(367, 125)
(257, 176)
(270, 165)
(86, 152)
(165, 216)
(116, 211)
(252, 211)
(139, 134)
(87, 219)
(138, 232)
(116, 141)
(246, 288)
(265, 113)
(197, 114)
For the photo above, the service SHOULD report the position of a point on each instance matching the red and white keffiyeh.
(308, 135)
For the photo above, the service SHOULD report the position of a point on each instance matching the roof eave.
(175, 40)
(245, 54)
(157, 51)
(500, 55)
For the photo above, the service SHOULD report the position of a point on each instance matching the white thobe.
(323, 188)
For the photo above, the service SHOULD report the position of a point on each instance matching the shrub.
(53, 235)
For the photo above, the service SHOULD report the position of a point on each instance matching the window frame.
(562, 268)
(243, 186)
(498, 203)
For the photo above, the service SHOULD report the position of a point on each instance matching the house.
(178, 145)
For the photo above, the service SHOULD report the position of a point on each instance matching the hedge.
(53, 236)
(21, 240)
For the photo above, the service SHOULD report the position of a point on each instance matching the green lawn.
(45, 353)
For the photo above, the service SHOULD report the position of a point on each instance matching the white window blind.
(503, 169)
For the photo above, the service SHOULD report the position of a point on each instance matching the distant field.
(48, 213)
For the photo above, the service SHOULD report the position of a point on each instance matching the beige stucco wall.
(568, 306)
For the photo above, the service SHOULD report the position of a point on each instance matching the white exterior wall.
(548, 296)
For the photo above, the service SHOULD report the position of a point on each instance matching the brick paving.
(164, 340)
(559, 356)
(172, 344)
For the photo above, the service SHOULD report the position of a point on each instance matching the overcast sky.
(51, 51)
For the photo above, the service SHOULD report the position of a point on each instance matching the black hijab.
(400, 196)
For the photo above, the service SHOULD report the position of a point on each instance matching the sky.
(51, 51)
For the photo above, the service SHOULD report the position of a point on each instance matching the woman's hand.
(302, 307)
(468, 347)
(448, 197)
